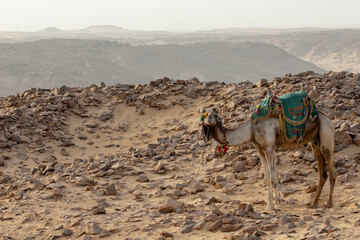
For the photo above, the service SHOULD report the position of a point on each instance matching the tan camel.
(266, 136)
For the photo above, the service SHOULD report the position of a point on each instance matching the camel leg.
(321, 169)
(270, 156)
(327, 136)
(270, 205)
(332, 174)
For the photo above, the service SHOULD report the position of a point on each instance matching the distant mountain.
(50, 63)
(104, 28)
(51, 30)
(334, 50)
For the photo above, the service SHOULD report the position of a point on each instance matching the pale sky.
(179, 15)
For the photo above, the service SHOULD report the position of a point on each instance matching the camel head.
(210, 121)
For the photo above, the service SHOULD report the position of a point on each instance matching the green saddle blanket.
(293, 108)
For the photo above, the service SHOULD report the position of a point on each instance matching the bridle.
(223, 147)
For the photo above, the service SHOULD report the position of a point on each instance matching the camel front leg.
(270, 205)
(270, 157)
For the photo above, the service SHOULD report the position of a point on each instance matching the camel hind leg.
(327, 136)
(315, 146)
(265, 164)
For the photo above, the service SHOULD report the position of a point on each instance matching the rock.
(254, 215)
(211, 217)
(82, 137)
(110, 190)
(167, 234)
(342, 138)
(93, 229)
(250, 229)
(143, 178)
(25, 139)
(357, 223)
(215, 226)
(85, 237)
(104, 233)
(262, 82)
(287, 178)
(240, 166)
(67, 233)
(356, 140)
(166, 209)
(268, 227)
(309, 157)
(199, 225)
(230, 227)
(106, 116)
(39, 185)
(159, 166)
(174, 203)
(190, 92)
(57, 192)
(252, 161)
(99, 210)
(187, 228)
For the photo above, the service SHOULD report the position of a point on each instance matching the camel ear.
(202, 110)
(217, 110)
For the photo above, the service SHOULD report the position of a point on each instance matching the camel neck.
(235, 137)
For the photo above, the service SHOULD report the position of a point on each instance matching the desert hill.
(331, 50)
(56, 62)
(120, 161)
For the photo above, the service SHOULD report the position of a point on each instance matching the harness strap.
(282, 130)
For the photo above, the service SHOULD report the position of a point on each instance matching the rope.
(196, 175)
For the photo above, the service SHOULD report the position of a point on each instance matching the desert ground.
(121, 162)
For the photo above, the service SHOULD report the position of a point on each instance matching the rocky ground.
(120, 162)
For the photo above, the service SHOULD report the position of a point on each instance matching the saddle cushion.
(295, 109)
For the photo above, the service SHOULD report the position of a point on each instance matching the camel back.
(292, 109)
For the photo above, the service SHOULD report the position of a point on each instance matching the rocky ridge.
(70, 168)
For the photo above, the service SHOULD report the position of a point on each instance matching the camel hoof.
(313, 205)
(269, 208)
(329, 205)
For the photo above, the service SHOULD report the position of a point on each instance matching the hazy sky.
(33, 15)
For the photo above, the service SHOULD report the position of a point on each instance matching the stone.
(110, 190)
(166, 209)
(342, 138)
(230, 227)
(191, 92)
(174, 203)
(261, 83)
(160, 166)
(240, 166)
(287, 178)
(268, 227)
(252, 161)
(167, 234)
(25, 139)
(105, 116)
(67, 233)
(143, 178)
(39, 185)
(93, 229)
(99, 210)
(250, 229)
(57, 192)
(215, 226)
(356, 140)
(82, 137)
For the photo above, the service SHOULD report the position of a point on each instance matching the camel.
(266, 136)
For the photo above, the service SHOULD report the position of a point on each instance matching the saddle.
(292, 109)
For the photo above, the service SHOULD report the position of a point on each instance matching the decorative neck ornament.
(223, 147)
